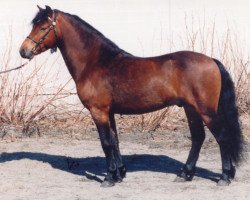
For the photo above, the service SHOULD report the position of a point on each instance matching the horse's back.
(148, 84)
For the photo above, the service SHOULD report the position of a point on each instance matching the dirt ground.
(72, 169)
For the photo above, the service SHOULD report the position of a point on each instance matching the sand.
(71, 169)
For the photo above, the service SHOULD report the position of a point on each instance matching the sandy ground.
(70, 169)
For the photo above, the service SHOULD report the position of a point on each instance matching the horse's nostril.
(22, 52)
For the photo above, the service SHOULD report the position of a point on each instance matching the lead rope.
(19, 67)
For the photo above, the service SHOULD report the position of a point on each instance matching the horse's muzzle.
(26, 53)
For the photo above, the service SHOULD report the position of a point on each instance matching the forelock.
(41, 16)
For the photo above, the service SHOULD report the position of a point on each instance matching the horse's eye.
(43, 29)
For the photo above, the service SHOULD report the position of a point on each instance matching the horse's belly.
(146, 91)
(135, 104)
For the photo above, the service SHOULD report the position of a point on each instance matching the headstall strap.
(38, 43)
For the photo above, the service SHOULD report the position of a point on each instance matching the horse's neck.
(80, 49)
(73, 50)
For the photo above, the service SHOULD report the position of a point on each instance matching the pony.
(111, 81)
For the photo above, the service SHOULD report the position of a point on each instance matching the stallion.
(111, 81)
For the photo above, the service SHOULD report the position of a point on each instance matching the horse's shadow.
(92, 167)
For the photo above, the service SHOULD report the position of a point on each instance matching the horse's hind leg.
(216, 126)
(197, 135)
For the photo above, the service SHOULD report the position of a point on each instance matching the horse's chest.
(93, 94)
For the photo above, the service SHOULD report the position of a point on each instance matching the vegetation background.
(41, 96)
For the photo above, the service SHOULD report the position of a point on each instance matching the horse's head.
(43, 35)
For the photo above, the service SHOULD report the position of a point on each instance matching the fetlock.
(232, 172)
(122, 171)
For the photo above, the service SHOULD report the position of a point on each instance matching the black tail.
(228, 113)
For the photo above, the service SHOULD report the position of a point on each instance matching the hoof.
(179, 179)
(222, 182)
(185, 174)
(113, 177)
(106, 184)
(119, 180)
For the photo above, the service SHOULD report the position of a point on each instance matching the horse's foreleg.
(197, 136)
(121, 172)
(109, 144)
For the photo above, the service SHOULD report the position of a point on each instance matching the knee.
(198, 139)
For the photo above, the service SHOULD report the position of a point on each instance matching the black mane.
(93, 30)
(40, 16)
(109, 49)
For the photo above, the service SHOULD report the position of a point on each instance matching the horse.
(111, 81)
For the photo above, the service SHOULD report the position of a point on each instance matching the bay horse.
(111, 81)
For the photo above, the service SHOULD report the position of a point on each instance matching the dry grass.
(24, 102)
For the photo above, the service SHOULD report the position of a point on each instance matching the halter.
(38, 43)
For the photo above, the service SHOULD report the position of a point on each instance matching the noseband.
(38, 43)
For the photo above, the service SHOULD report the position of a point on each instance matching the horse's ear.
(48, 9)
(39, 8)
